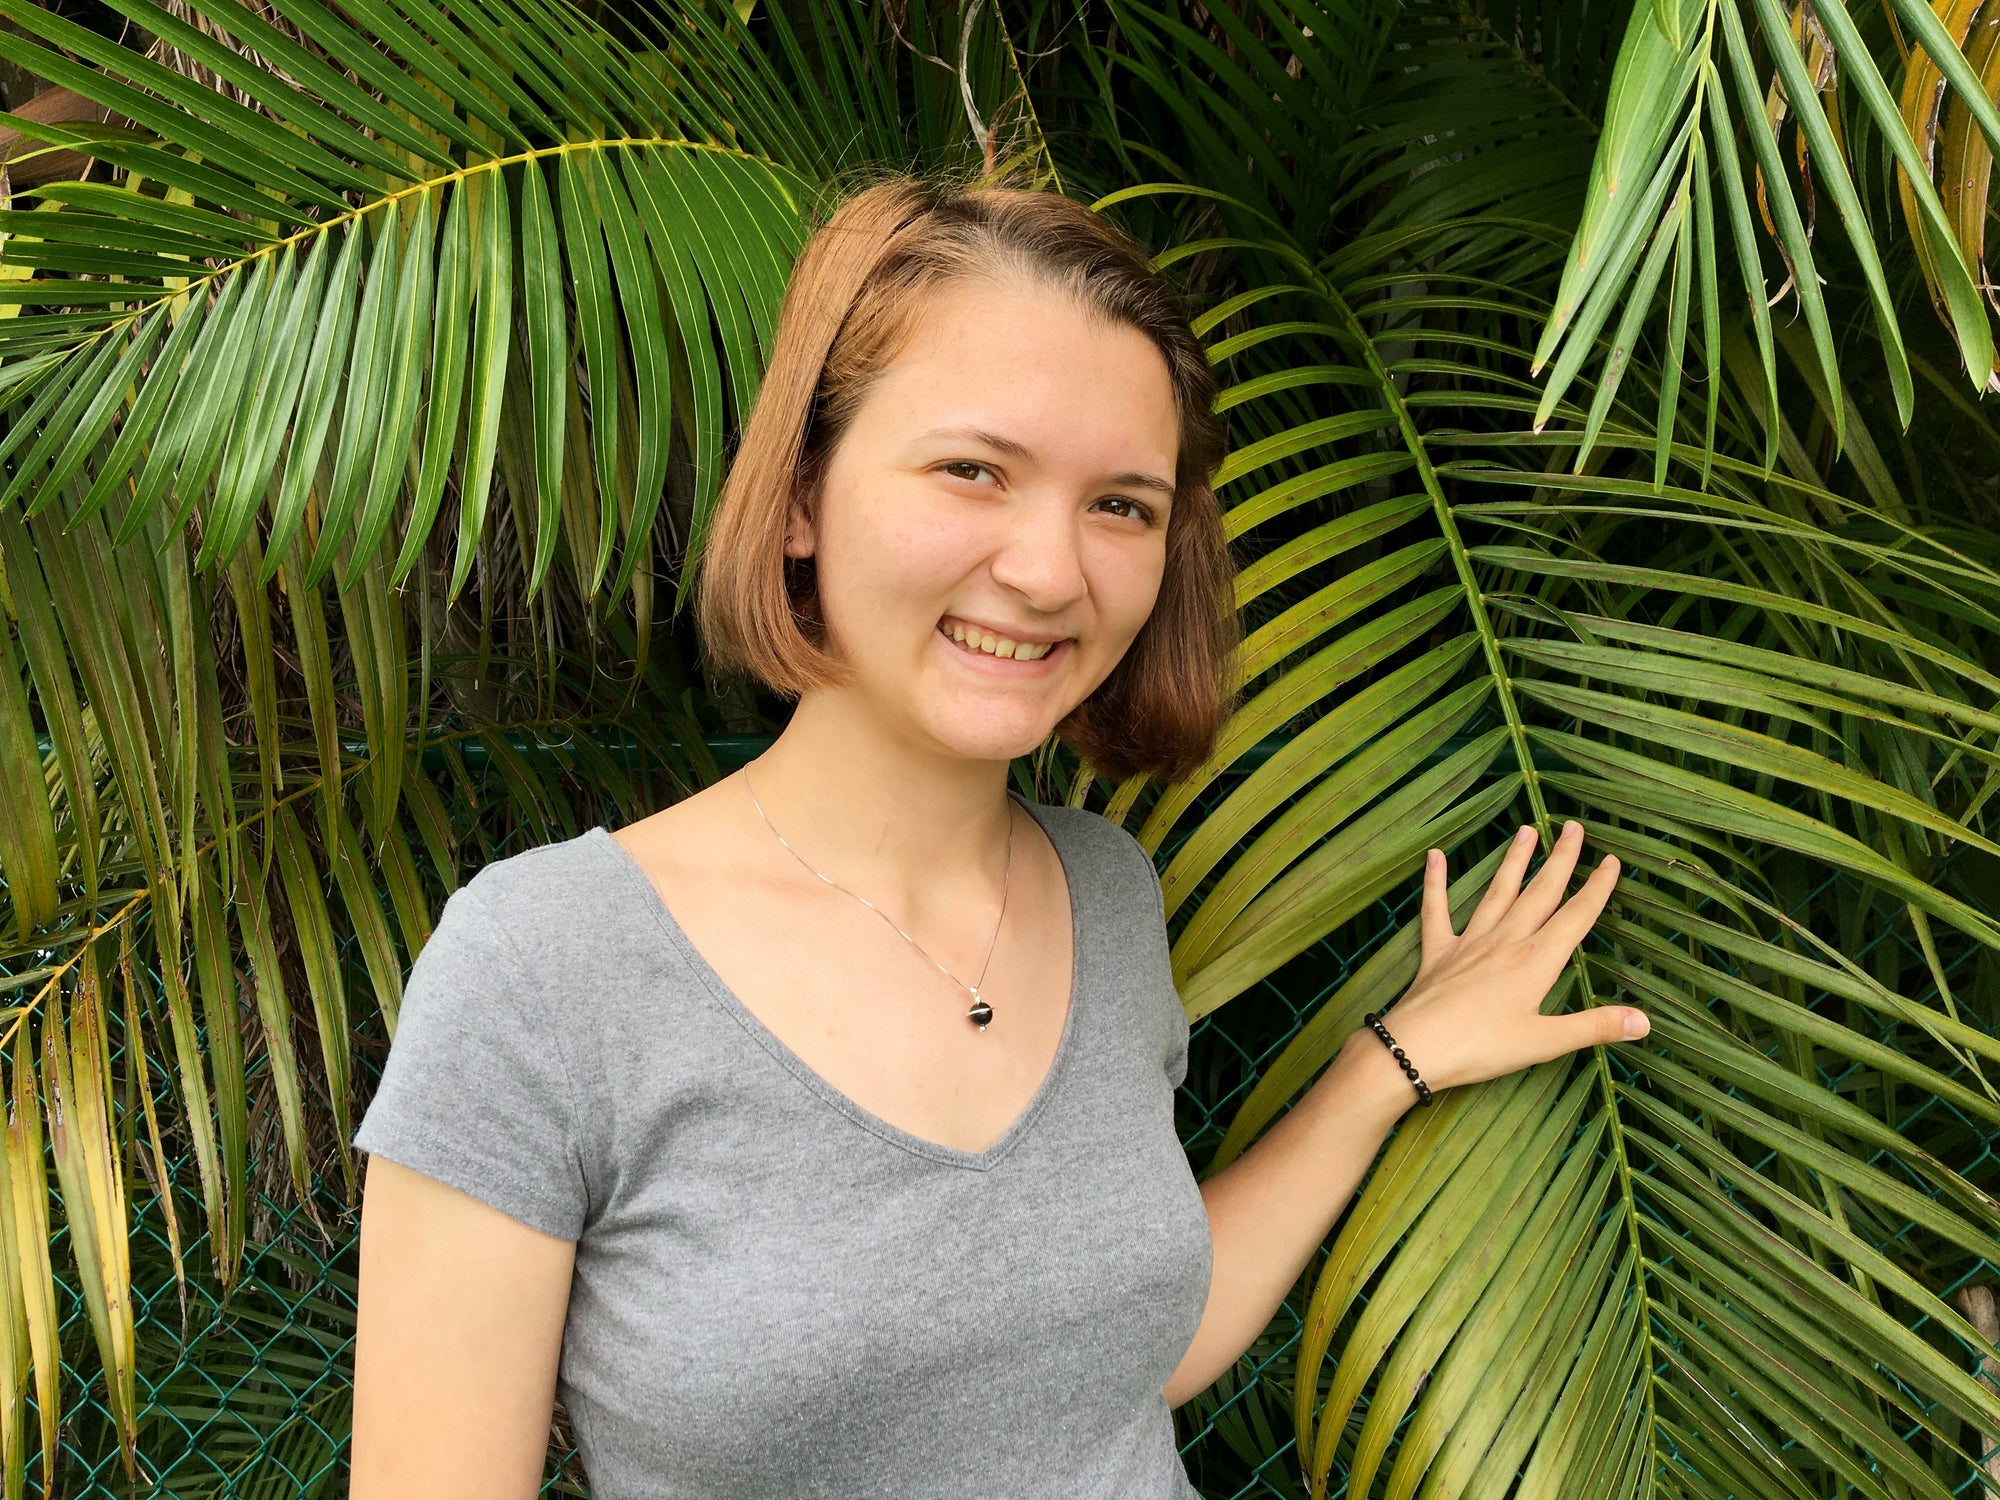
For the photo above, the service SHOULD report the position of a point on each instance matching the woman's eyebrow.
(1005, 445)
(1015, 449)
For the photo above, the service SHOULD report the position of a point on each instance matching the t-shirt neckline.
(772, 1043)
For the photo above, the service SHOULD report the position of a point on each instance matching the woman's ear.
(799, 540)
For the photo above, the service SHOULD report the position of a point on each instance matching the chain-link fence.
(247, 1395)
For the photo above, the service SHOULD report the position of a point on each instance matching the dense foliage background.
(1608, 391)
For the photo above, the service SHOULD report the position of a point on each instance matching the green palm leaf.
(1481, 654)
(1703, 84)
(369, 399)
(423, 321)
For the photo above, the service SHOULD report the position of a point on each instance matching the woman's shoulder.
(540, 868)
(1090, 831)
(1100, 849)
(1087, 824)
(547, 903)
(551, 942)
(491, 1078)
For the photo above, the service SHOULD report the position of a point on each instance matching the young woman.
(814, 1136)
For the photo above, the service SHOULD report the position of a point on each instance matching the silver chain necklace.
(981, 1014)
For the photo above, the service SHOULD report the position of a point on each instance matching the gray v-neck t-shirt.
(776, 1292)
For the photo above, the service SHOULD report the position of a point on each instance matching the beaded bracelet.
(1374, 1019)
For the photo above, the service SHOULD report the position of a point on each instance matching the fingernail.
(1525, 832)
(1572, 826)
(1434, 858)
(1636, 1024)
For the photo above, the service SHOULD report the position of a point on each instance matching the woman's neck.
(869, 806)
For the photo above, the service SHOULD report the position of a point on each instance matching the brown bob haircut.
(849, 309)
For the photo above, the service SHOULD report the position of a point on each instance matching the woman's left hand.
(1474, 1012)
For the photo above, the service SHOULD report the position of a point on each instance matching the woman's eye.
(1138, 511)
(964, 463)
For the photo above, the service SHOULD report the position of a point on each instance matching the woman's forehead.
(1024, 364)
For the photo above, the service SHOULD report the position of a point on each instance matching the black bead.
(981, 1014)
(1374, 1020)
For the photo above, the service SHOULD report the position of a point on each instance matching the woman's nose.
(1040, 556)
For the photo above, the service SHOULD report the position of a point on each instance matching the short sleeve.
(475, 1093)
(1153, 900)
(1177, 1047)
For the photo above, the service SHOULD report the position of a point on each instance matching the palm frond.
(1702, 85)
(1534, 1280)
(353, 425)
(244, 379)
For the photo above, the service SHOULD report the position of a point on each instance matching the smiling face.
(1007, 479)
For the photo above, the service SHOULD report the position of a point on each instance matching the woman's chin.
(987, 736)
(1000, 750)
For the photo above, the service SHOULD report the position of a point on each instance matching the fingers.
(1566, 929)
(1506, 886)
(1436, 930)
(1545, 892)
(1600, 1025)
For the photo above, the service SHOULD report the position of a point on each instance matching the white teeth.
(998, 645)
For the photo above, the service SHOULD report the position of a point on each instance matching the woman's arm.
(1274, 1205)
(461, 1321)
(1473, 1013)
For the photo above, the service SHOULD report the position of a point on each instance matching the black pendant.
(981, 1013)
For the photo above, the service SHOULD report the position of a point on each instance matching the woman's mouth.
(998, 652)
